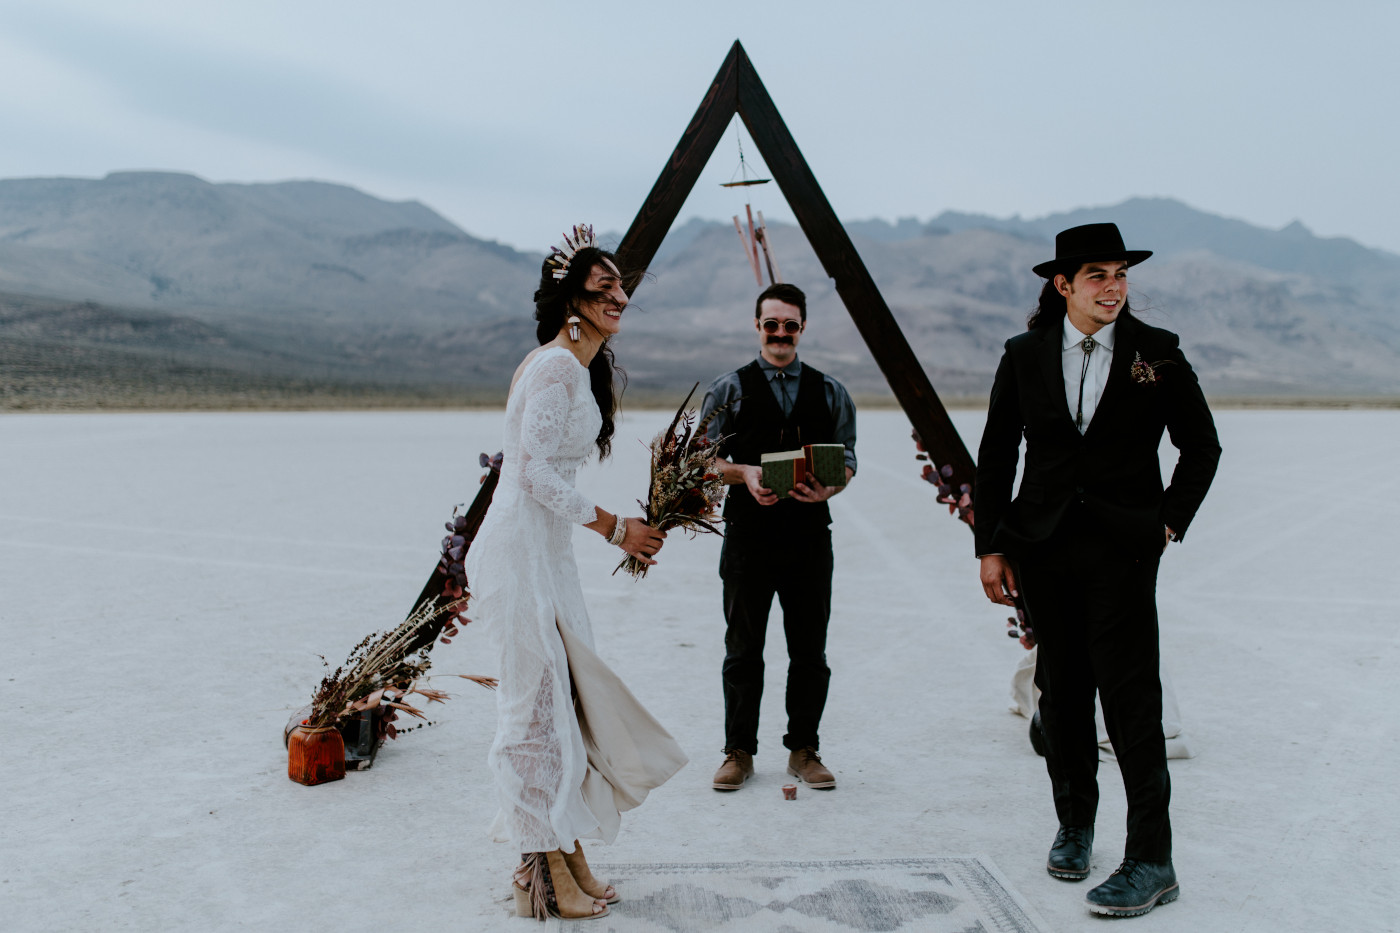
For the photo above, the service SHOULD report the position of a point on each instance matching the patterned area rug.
(922, 895)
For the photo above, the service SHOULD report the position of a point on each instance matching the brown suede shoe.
(806, 765)
(738, 765)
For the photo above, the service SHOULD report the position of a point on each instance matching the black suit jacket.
(1113, 468)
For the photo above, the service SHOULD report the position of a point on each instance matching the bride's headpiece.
(581, 237)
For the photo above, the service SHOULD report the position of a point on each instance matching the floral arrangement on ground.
(384, 669)
(380, 674)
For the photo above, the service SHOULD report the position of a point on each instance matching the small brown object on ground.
(789, 791)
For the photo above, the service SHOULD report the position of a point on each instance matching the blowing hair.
(555, 300)
(1052, 308)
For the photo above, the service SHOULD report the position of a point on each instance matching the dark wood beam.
(737, 88)
(663, 204)
(853, 282)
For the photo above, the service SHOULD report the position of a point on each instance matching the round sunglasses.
(773, 325)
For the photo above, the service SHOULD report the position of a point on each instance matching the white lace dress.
(563, 771)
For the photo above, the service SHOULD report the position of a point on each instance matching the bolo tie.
(1088, 345)
(786, 404)
(782, 378)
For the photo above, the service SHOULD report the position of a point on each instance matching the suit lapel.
(1052, 368)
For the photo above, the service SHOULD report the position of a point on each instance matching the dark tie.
(782, 378)
(1088, 345)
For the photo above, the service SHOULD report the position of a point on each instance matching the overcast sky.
(517, 119)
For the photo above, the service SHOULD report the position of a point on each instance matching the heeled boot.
(544, 888)
(578, 867)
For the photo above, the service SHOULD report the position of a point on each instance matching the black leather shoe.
(1037, 734)
(1069, 856)
(1135, 888)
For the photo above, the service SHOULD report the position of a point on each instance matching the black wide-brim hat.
(1089, 243)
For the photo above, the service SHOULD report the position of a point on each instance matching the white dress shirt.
(1072, 362)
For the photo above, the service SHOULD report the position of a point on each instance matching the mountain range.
(162, 288)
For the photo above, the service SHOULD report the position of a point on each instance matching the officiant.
(776, 546)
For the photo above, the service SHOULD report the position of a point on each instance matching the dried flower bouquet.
(685, 488)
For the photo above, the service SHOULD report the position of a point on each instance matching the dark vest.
(760, 428)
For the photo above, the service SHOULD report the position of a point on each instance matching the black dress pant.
(757, 562)
(1093, 606)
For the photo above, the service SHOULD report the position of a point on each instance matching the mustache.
(778, 339)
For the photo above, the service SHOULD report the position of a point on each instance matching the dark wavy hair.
(788, 294)
(555, 299)
(1052, 308)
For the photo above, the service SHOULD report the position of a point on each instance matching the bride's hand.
(642, 541)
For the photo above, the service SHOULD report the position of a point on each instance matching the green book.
(784, 469)
(827, 462)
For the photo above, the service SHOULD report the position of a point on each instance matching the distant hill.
(315, 251)
(165, 280)
(1175, 231)
(959, 286)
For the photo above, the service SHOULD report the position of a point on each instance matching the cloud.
(252, 96)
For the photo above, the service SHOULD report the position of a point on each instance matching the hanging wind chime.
(757, 236)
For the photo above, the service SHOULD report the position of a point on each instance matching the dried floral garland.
(452, 566)
(941, 477)
(1017, 626)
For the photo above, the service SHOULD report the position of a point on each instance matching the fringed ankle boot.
(545, 888)
(578, 867)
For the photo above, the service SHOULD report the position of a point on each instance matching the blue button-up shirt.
(784, 382)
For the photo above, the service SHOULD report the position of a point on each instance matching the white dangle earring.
(573, 327)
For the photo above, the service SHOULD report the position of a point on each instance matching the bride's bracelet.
(619, 532)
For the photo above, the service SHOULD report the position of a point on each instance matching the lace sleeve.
(548, 400)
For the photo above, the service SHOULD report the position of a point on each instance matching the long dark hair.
(555, 299)
(1052, 308)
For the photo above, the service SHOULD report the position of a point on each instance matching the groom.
(1092, 388)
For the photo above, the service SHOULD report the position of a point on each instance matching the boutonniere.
(1145, 373)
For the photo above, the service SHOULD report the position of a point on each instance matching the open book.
(786, 468)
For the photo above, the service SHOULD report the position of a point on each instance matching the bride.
(573, 747)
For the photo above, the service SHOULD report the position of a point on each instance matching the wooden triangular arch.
(737, 89)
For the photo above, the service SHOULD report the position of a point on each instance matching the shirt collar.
(793, 369)
(1073, 338)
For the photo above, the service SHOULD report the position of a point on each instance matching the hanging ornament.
(757, 237)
